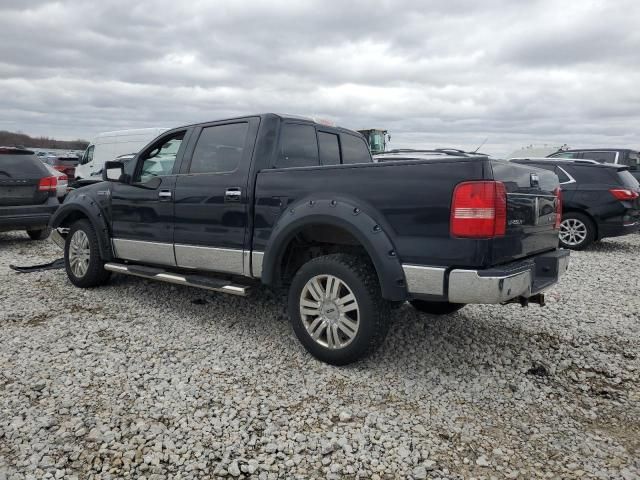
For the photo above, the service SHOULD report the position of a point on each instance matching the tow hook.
(538, 298)
(525, 301)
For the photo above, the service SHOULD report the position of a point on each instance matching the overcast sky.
(439, 73)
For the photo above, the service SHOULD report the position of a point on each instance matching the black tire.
(40, 234)
(590, 231)
(95, 274)
(436, 308)
(373, 314)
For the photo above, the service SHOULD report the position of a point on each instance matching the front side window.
(219, 148)
(298, 146)
(88, 155)
(329, 148)
(354, 149)
(160, 158)
(602, 157)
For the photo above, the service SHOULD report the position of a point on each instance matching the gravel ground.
(152, 381)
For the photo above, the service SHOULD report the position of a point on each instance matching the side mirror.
(113, 171)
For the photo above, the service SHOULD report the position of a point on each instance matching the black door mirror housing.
(113, 171)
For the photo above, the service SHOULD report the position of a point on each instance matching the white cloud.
(448, 73)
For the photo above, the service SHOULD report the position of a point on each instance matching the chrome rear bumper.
(495, 285)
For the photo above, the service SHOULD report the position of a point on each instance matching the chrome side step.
(198, 281)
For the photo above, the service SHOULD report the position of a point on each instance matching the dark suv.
(599, 199)
(619, 156)
(28, 194)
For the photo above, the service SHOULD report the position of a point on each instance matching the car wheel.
(436, 308)
(82, 259)
(40, 234)
(577, 231)
(336, 308)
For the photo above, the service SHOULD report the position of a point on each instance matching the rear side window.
(329, 148)
(632, 161)
(219, 148)
(354, 149)
(298, 146)
(562, 175)
(602, 157)
(21, 166)
(565, 155)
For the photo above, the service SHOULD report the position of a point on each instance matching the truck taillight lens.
(48, 184)
(624, 194)
(558, 193)
(479, 210)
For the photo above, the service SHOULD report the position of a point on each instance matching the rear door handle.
(164, 195)
(233, 194)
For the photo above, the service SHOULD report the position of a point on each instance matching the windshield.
(376, 142)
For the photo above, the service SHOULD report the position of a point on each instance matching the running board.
(215, 284)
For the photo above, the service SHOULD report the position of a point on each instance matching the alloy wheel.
(79, 253)
(573, 232)
(329, 311)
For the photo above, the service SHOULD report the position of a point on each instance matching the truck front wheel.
(82, 259)
(336, 308)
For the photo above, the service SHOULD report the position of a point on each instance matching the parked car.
(27, 193)
(289, 202)
(423, 154)
(619, 156)
(109, 145)
(62, 182)
(599, 200)
(64, 164)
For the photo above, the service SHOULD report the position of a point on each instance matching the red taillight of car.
(479, 210)
(558, 194)
(60, 168)
(624, 194)
(48, 184)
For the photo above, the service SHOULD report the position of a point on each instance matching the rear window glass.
(628, 180)
(298, 146)
(21, 166)
(354, 149)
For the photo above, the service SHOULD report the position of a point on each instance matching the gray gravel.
(152, 381)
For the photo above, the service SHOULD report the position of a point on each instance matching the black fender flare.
(89, 208)
(356, 219)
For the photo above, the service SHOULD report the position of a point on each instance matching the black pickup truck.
(290, 202)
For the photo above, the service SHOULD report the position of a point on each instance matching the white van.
(109, 145)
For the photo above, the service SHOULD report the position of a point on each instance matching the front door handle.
(164, 195)
(233, 194)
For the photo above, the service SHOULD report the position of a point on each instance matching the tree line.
(10, 139)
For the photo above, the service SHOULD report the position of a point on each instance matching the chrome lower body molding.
(213, 259)
(144, 251)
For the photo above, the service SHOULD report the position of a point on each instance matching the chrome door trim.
(424, 280)
(227, 260)
(144, 251)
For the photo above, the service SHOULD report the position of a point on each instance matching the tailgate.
(531, 211)
(19, 179)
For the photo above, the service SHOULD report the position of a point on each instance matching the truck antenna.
(480, 146)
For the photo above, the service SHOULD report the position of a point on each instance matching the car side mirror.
(113, 171)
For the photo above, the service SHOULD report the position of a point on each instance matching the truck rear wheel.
(436, 308)
(336, 308)
(82, 259)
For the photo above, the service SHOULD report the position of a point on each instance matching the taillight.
(60, 168)
(479, 210)
(558, 194)
(48, 184)
(624, 194)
